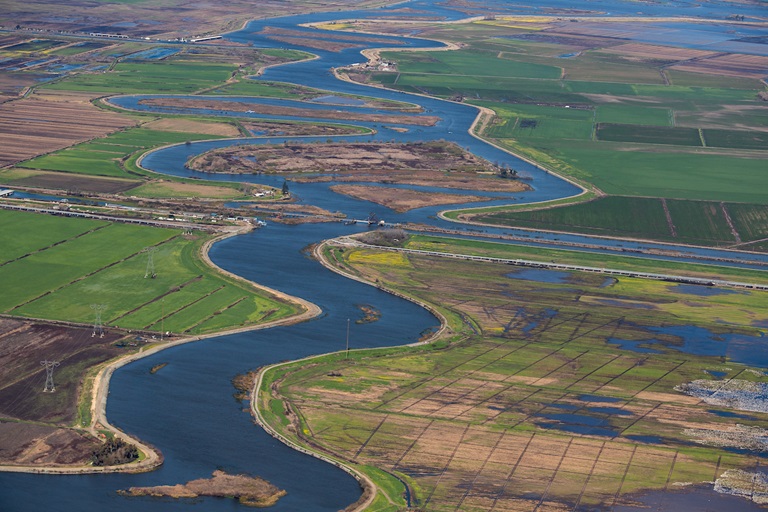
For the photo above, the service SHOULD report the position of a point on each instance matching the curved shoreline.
(370, 489)
(100, 390)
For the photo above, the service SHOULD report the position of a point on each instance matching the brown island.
(426, 164)
(251, 491)
(279, 110)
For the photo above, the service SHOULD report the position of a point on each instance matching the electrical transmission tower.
(98, 326)
(49, 366)
(150, 272)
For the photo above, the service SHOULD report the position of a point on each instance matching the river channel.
(186, 409)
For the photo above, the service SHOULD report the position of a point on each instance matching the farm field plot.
(629, 125)
(106, 263)
(701, 222)
(553, 402)
(648, 134)
(17, 177)
(164, 77)
(736, 139)
(470, 63)
(47, 122)
(736, 65)
(101, 156)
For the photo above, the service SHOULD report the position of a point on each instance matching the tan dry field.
(191, 126)
(737, 65)
(403, 200)
(45, 122)
(29, 444)
(650, 51)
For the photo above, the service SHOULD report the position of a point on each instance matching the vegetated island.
(277, 110)
(425, 164)
(248, 490)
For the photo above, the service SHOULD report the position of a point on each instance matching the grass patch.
(702, 222)
(108, 266)
(163, 77)
(648, 134)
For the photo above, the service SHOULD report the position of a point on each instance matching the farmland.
(102, 156)
(48, 122)
(166, 77)
(699, 222)
(628, 118)
(186, 295)
(522, 406)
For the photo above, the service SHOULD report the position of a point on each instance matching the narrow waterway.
(186, 409)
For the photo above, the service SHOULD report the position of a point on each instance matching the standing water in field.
(186, 410)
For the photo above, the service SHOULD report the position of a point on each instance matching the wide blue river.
(186, 409)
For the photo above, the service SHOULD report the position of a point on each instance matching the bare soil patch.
(23, 345)
(276, 110)
(28, 444)
(435, 164)
(73, 183)
(402, 200)
(44, 123)
(654, 52)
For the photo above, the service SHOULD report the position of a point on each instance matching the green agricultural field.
(164, 77)
(537, 396)
(707, 175)
(102, 156)
(625, 130)
(248, 87)
(616, 261)
(700, 222)
(634, 114)
(86, 262)
(737, 139)
(78, 48)
(648, 134)
(468, 62)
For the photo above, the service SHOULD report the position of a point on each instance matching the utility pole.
(347, 351)
(49, 366)
(150, 272)
(98, 327)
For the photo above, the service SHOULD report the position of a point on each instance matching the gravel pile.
(753, 486)
(754, 439)
(734, 394)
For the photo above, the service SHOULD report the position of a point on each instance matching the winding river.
(186, 409)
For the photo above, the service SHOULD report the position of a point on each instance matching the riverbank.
(370, 489)
(151, 458)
